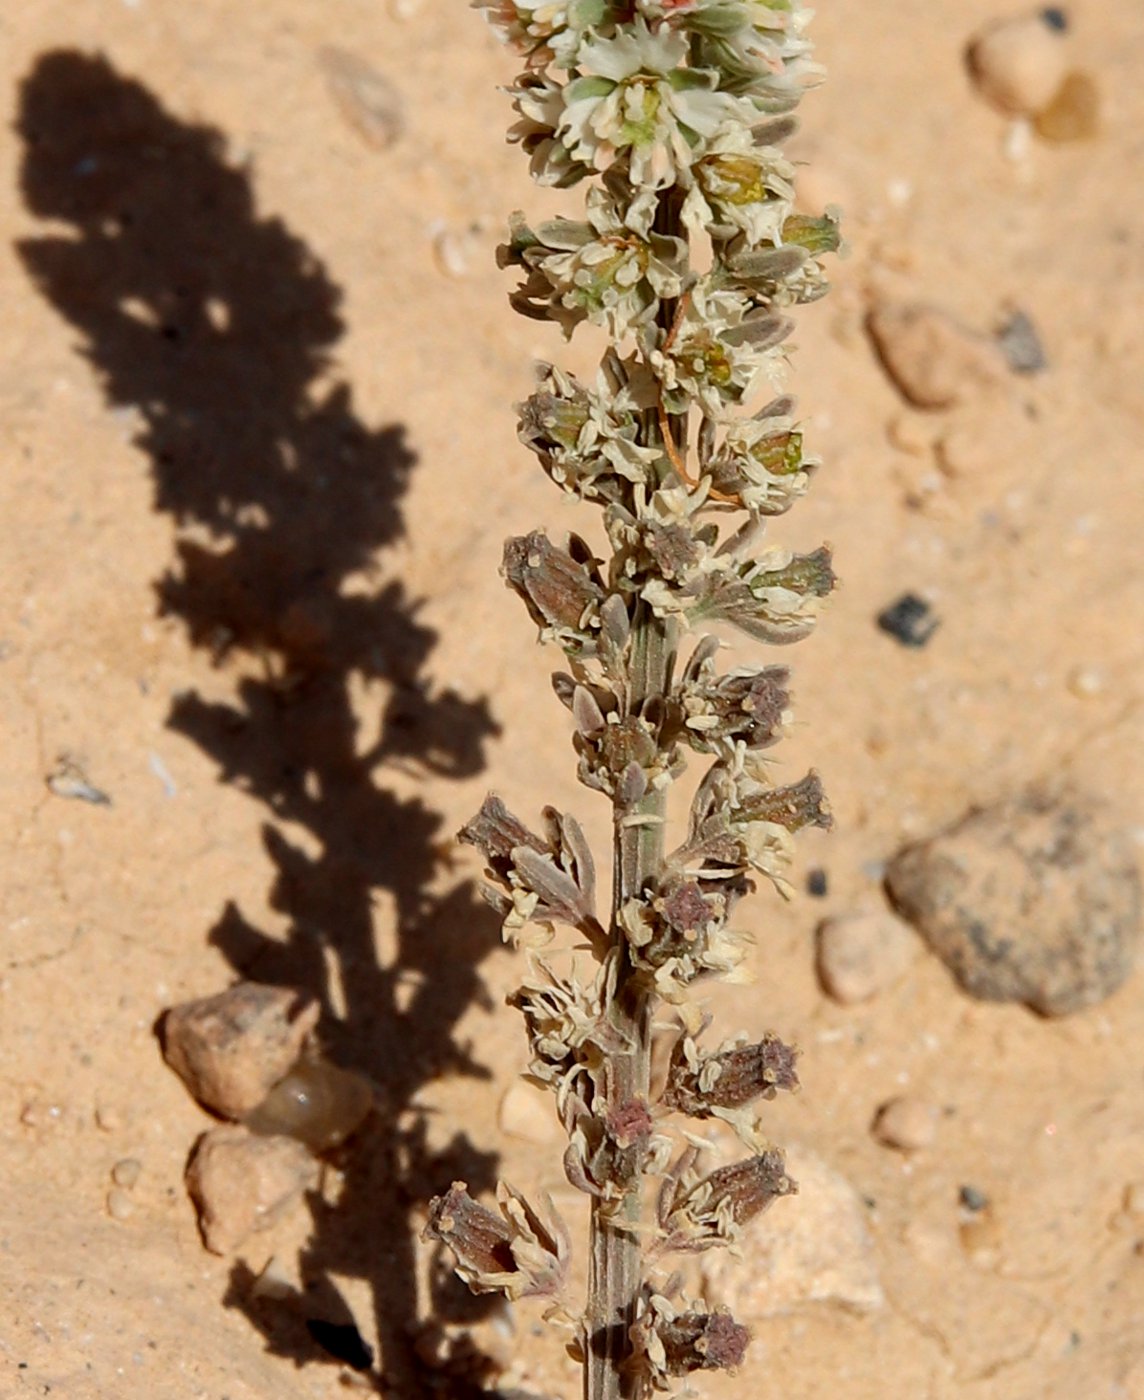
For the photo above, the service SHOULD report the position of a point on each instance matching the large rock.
(231, 1049)
(1035, 900)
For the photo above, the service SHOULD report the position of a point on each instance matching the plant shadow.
(214, 328)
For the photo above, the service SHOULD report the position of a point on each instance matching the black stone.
(909, 621)
(972, 1199)
(1055, 18)
(817, 883)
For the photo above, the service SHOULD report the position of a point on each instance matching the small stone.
(231, 1049)
(367, 100)
(1020, 344)
(451, 253)
(1055, 18)
(1036, 899)
(817, 883)
(1074, 114)
(909, 434)
(120, 1206)
(818, 1251)
(126, 1172)
(906, 1123)
(966, 452)
(862, 954)
(933, 361)
(972, 1199)
(1085, 682)
(910, 621)
(1134, 1199)
(242, 1183)
(108, 1119)
(1018, 65)
(528, 1113)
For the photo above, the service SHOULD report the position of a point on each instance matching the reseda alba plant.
(672, 113)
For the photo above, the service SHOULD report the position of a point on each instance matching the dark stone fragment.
(972, 1199)
(817, 882)
(910, 620)
(1021, 344)
(1055, 18)
(343, 1341)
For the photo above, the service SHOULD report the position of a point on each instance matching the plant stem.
(616, 1252)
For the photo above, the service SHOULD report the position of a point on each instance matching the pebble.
(529, 1114)
(909, 434)
(451, 253)
(1085, 682)
(120, 1206)
(966, 452)
(108, 1119)
(909, 620)
(367, 100)
(242, 1183)
(68, 779)
(317, 1103)
(1036, 899)
(1018, 65)
(1134, 1199)
(817, 883)
(818, 1251)
(972, 1198)
(861, 954)
(1073, 114)
(906, 1123)
(1020, 343)
(933, 361)
(231, 1049)
(126, 1172)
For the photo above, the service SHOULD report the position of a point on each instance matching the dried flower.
(670, 1342)
(696, 1214)
(522, 1252)
(731, 1078)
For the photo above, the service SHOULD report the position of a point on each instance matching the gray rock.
(1036, 900)
(231, 1049)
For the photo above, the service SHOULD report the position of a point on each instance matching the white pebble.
(450, 253)
(126, 1172)
(861, 954)
(120, 1206)
(1019, 64)
(1085, 682)
(905, 1123)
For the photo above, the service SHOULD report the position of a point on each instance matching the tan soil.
(257, 464)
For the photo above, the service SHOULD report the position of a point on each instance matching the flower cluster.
(673, 113)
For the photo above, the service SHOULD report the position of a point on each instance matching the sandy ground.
(257, 464)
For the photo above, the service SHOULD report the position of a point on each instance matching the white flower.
(717, 351)
(634, 95)
(588, 440)
(600, 271)
(762, 465)
(740, 187)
